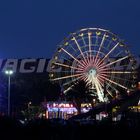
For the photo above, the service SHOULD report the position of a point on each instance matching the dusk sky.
(33, 28)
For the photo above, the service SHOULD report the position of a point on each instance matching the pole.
(8, 95)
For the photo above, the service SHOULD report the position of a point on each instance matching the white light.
(128, 91)
(9, 72)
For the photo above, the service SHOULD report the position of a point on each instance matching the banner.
(28, 65)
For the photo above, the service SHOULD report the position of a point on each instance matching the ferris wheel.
(97, 57)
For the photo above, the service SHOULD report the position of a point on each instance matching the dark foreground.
(58, 129)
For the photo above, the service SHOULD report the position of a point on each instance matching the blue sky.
(33, 28)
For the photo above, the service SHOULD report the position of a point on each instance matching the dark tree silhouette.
(79, 93)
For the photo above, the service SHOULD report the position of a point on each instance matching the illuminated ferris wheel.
(97, 57)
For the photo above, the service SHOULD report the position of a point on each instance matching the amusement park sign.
(24, 65)
(30, 65)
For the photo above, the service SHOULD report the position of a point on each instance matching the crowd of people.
(59, 129)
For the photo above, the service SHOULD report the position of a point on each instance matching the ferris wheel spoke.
(96, 61)
(73, 80)
(113, 88)
(72, 47)
(118, 68)
(111, 81)
(102, 74)
(84, 78)
(106, 90)
(120, 78)
(67, 66)
(66, 90)
(98, 52)
(110, 93)
(109, 44)
(124, 67)
(115, 61)
(68, 76)
(84, 61)
(88, 60)
(65, 59)
(72, 57)
(118, 72)
(99, 90)
(98, 64)
(100, 84)
(102, 69)
(94, 82)
(84, 41)
(89, 45)
(79, 48)
(120, 52)
(109, 52)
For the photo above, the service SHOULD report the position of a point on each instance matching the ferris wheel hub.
(92, 72)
